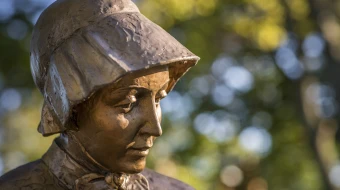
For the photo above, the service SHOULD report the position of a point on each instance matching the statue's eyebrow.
(121, 93)
(141, 87)
(124, 90)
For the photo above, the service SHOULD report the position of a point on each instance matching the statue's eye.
(127, 104)
(162, 94)
(128, 107)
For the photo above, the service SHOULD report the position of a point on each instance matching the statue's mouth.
(144, 151)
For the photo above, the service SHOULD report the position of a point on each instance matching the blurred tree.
(261, 107)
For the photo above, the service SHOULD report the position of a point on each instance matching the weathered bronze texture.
(102, 68)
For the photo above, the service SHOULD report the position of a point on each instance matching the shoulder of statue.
(34, 175)
(159, 181)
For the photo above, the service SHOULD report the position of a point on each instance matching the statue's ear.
(49, 124)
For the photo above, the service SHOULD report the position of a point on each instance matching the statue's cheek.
(122, 121)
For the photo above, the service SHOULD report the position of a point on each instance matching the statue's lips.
(144, 151)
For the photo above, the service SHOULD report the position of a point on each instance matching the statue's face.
(119, 124)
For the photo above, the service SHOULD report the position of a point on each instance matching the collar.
(73, 175)
(63, 167)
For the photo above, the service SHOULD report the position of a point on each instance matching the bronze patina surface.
(102, 68)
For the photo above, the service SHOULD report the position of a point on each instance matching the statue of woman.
(102, 68)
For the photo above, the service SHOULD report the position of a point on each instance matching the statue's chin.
(130, 167)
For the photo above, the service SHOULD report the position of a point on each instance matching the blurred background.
(260, 111)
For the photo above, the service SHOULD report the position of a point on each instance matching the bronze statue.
(102, 68)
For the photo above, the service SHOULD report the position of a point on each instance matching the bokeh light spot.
(10, 99)
(218, 126)
(334, 175)
(17, 29)
(177, 106)
(256, 140)
(200, 86)
(323, 98)
(231, 176)
(239, 78)
(204, 123)
(221, 64)
(222, 95)
(288, 63)
(7, 9)
(204, 166)
(313, 45)
(270, 36)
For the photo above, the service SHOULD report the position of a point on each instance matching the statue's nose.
(152, 115)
